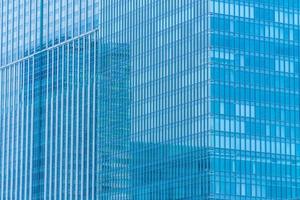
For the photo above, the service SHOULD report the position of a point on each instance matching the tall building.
(254, 81)
(215, 111)
(149, 99)
(63, 112)
(64, 102)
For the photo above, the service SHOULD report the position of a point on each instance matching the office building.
(193, 99)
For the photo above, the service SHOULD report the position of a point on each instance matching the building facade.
(149, 99)
(255, 99)
(64, 113)
(215, 111)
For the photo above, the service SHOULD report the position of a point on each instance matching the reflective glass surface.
(149, 99)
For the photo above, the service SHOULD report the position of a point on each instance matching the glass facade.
(27, 26)
(255, 99)
(149, 99)
(63, 111)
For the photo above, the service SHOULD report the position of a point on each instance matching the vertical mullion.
(56, 123)
(12, 34)
(16, 129)
(1, 125)
(72, 119)
(26, 124)
(47, 29)
(51, 126)
(29, 38)
(94, 114)
(67, 20)
(93, 12)
(77, 119)
(17, 184)
(60, 22)
(53, 26)
(61, 121)
(9, 132)
(67, 121)
(1, 36)
(88, 117)
(23, 34)
(73, 9)
(18, 36)
(22, 129)
(46, 130)
(6, 135)
(9, 135)
(35, 26)
(79, 21)
(31, 136)
(83, 112)
(86, 16)
(2, 133)
(6, 46)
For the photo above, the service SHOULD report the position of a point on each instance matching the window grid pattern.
(170, 94)
(63, 113)
(213, 109)
(27, 26)
(255, 99)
